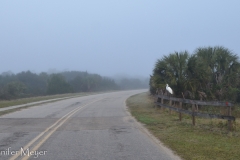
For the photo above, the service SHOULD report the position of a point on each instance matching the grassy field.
(209, 139)
(7, 103)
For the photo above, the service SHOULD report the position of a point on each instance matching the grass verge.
(20, 108)
(209, 139)
(4, 104)
(7, 103)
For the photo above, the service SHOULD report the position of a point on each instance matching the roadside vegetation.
(210, 73)
(52, 98)
(13, 102)
(28, 84)
(209, 139)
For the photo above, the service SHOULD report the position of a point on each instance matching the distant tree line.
(211, 73)
(27, 84)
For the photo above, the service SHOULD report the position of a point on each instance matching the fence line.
(190, 101)
(193, 113)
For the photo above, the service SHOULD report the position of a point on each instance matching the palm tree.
(198, 75)
(171, 69)
(213, 71)
(223, 66)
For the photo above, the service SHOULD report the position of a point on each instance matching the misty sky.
(110, 37)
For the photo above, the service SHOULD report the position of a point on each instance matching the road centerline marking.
(40, 135)
(60, 122)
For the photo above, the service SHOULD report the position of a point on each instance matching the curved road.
(95, 127)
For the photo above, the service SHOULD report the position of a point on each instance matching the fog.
(110, 37)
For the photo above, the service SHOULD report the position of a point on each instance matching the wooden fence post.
(180, 114)
(193, 116)
(170, 104)
(229, 114)
(162, 100)
(158, 99)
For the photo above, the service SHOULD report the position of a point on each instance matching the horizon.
(109, 37)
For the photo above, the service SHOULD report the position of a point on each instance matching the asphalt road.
(95, 127)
